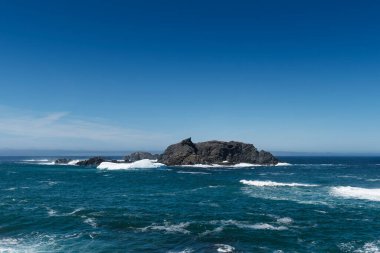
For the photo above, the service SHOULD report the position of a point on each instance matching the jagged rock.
(136, 156)
(93, 161)
(62, 161)
(215, 152)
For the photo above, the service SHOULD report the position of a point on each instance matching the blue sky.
(124, 75)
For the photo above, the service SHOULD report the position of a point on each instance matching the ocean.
(313, 204)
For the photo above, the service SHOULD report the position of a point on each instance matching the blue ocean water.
(317, 204)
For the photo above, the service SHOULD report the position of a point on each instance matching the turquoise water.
(333, 207)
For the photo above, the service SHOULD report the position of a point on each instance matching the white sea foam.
(243, 225)
(224, 248)
(76, 211)
(373, 180)
(35, 160)
(169, 228)
(46, 163)
(142, 164)
(204, 166)
(283, 164)
(239, 165)
(91, 222)
(193, 172)
(8, 245)
(285, 220)
(370, 247)
(51, 212)
(274, 184)
(265, 226)
(73, 162)
(356, 193)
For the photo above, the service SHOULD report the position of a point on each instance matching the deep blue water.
(51, 208)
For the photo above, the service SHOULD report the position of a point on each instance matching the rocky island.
(215, 152)
(188, 153)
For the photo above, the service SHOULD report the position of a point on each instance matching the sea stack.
(215, 152)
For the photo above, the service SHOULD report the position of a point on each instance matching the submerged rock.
(93, 161)
(136, 156)
(215, 152)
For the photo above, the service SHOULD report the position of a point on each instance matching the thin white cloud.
(25, 129)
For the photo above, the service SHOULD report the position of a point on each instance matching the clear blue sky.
(123, 75)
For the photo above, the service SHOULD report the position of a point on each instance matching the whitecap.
(274, 184)
(285, 220)
(204, 166)
(51, 212)
(239, 165)
(257, 226)
(73, 162)
(224, 248)
(373, 180)
(141, 164)
(266, 226)
(369, 247)
(283, 164)
(356, 193)
(46, 163)
(91, 222)
(10, 189)
(169, 228)
(35, 160)
(76, 211)
(193, 172)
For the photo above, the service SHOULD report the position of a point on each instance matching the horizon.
(292, 76)
(115, 153)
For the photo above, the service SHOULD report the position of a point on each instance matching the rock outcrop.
(215, 152)
(62, 161)
(136, 156)
(93, 161)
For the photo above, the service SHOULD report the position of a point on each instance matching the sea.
(307, 204)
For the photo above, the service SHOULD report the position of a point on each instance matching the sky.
(139, 75)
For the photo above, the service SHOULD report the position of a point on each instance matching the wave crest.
(356, 193)
(274, 184)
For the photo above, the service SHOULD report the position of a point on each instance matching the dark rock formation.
(215, 152)
(62, 161)
(93, 161)
(136, 156)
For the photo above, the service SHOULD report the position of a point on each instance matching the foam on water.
(285, 220)
(91, 222)
(369, 247)
(244, 225)
(356, 193)
(283, 164)
(193, 172)
(274, 184)
(265, 226)
(73, 162)
(239, 165)
(224, 248)
(167, 227)
(35, 160)
(142, 164)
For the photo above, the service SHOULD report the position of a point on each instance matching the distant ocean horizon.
(311, 204)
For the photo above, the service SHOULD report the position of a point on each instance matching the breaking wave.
(274, 184)
(142, 164)
(356, 193)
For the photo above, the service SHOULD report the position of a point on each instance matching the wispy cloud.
(62, 130)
